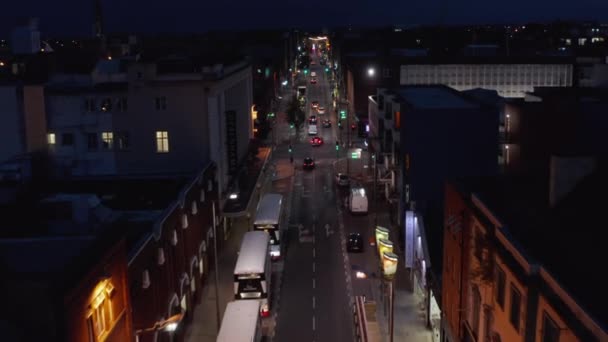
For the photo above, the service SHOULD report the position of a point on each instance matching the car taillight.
(265, 313)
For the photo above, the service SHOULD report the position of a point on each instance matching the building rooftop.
(434, 97)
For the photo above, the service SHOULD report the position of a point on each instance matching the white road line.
(313, 283)
(313, 302)
(314, 323)
(313, 267)
(313, 253)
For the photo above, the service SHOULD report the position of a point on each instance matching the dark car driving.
(354, 243)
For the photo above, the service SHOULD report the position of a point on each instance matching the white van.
(312, 130)
(313, 74)
(357, 201)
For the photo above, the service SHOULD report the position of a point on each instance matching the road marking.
(313, 302)
(313, 267)
(313, 283)
(314, 323)
(313, 253)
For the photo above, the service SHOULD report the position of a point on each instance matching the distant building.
(510, 77)
(552, 121)
(23, 128)
(25, 39)
(508, 272)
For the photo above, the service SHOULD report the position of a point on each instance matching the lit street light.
(371, 72)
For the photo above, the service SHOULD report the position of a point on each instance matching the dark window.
(89, 105)
(479, 244)
(122, 141)
(67, 139)
(161, 103)
(476, 311)
(92, 141)
(500, 287)
(122, 104)
(381, 102)
(550, 332)
(514, 315)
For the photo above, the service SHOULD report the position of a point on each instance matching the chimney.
(565, 174)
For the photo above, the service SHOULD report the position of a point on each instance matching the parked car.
(354, 243)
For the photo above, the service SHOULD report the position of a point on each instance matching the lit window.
(162, 141)
(50, 139)
(107, 139)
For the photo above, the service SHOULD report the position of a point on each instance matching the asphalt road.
(314, 302)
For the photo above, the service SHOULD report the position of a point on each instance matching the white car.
(321, 110)
(312, 130)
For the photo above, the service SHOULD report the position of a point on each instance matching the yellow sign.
(389, 265)
(385, 245)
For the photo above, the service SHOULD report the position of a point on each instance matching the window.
(500, 287)
(67, 139)
(92, 141)
(50, 139)
(386, 72)
(476, 311)
(550, 332)
(107, 139)
(122, 141)
(106, 105)
(122, 105)
(514, 315)
(161, 103)
(89, 105)
(478, 244)
(162, 141)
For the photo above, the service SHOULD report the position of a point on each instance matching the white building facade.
(147, 120)
(509, 80)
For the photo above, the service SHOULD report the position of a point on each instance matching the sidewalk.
(409, 319)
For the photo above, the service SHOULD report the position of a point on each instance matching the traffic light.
(305, 71)
(337, 145)
(343, 114)
(326, 69)
(290, 149)
(291, 125)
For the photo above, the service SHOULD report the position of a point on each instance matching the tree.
(295, 114)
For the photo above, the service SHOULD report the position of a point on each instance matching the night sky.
(75, 16)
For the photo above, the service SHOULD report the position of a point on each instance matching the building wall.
(184, 119)
(232, 93)
(509, 80)
(170, 289)
(455, 262)
(447, 143)
(67, 115)
(34, 118)
(545, 309)
(11, 129)
(83, 306)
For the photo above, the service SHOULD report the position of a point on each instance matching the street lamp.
(371, 72)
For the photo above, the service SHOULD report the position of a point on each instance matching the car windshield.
(308, 160)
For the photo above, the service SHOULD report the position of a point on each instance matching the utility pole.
(217, 270)
(374, 165)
